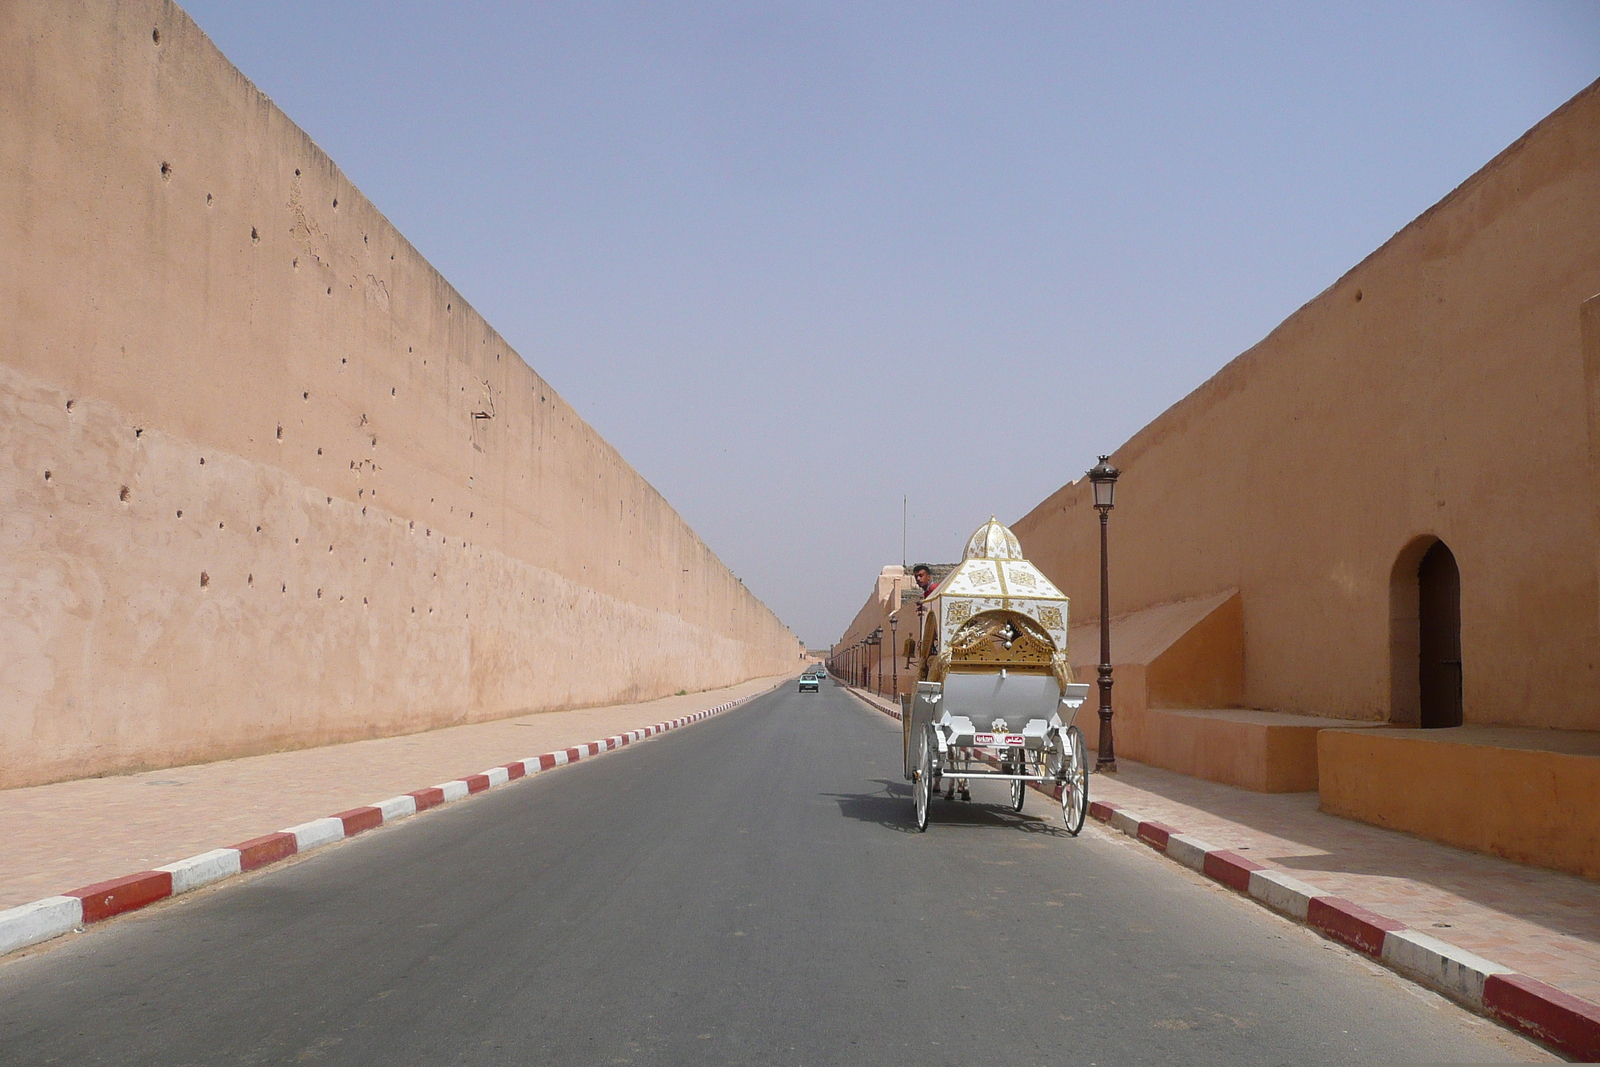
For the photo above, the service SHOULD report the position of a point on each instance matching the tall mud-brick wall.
(1444, 389)
(266, 480)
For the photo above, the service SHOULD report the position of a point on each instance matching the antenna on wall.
(904, 505)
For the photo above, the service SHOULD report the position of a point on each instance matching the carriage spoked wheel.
(1017, 764)
(922, 785)
(1074, 780)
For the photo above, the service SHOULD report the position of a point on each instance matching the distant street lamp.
(1104, 479)
(894, 651)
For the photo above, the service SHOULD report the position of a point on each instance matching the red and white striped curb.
(1560, 1020)
(28, 924)
(872, 702)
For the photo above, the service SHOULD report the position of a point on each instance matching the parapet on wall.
(266, 480)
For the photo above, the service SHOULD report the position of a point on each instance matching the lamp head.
(1104, 478)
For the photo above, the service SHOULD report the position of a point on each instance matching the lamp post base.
(1106, 763)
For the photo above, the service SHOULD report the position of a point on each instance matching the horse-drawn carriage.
(999, 697)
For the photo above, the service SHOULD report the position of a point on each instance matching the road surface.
(747, 891)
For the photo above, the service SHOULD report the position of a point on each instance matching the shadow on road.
(891, 808)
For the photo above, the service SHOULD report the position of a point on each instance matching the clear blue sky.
(796, 260)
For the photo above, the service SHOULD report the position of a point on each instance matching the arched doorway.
(1439, 638)
(1425, 636)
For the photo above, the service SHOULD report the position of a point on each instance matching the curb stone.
(1530, 1007)
(1566, 1023)
(41, 920)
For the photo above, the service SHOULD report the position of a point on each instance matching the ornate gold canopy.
(992, 589)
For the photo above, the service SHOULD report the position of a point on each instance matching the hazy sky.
(798, 260)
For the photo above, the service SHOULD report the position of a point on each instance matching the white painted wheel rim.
(920, 788)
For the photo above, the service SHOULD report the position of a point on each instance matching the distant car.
(810, 683)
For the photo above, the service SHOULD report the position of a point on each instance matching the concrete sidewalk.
(71, 834)
(1542, 923)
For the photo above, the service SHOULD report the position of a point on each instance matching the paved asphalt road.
(748, 891)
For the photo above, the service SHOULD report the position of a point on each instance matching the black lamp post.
(875, 640)
(894, 650)
(1104, 479)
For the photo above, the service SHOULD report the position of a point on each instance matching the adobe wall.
(1436, 390)
(266, 479)
(880, 662)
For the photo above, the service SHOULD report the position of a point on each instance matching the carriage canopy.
(997, 610)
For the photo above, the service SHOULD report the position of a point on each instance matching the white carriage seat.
(1001, 700)
(998, 704)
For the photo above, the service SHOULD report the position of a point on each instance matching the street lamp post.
(875, 639)
(1104, 479)
(880, 658)
(871, 641)
(894, 652)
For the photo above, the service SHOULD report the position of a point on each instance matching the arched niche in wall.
(1425, 682)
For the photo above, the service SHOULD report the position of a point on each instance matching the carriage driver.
(927, 647)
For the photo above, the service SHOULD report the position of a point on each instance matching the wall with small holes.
(266, 480)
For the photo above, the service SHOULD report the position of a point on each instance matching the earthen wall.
(1437, 390)
(266, 479)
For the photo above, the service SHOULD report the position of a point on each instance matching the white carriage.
(998, 700)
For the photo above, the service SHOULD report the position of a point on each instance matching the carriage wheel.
(1019, 790)
(923, 784)
(1075, 781)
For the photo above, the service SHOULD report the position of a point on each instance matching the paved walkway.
(71, 834)
(1542, 923)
